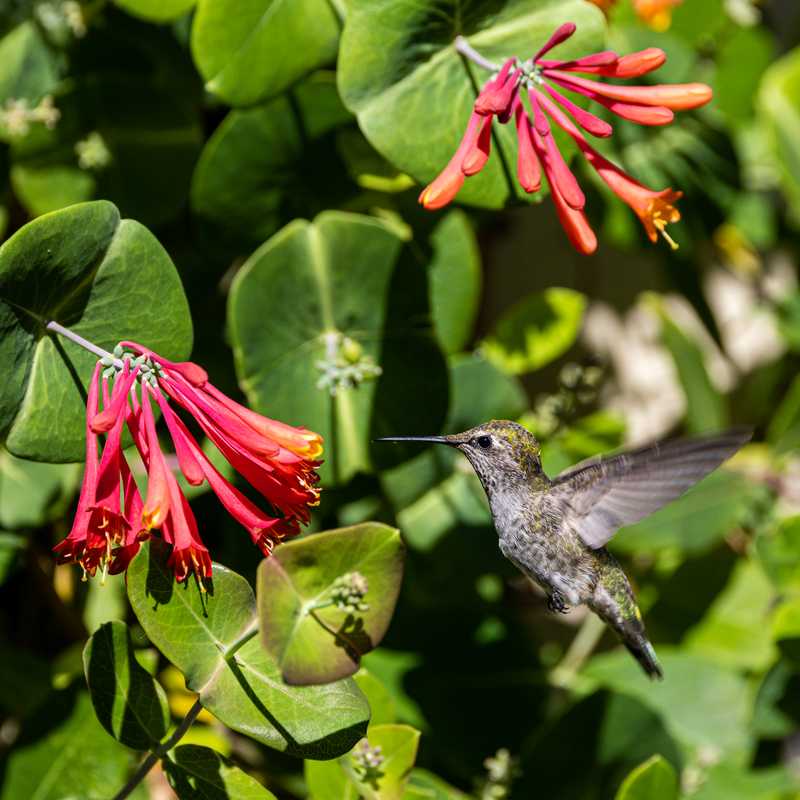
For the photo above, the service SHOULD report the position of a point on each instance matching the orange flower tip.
(435, 197)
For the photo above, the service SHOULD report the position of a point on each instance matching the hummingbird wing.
(607, 493)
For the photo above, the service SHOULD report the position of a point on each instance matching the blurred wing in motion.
(608, 493)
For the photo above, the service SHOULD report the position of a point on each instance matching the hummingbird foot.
(557, 604)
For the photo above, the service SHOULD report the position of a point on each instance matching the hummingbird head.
(500, 451)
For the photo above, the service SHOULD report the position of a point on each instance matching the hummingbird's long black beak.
(429, 439)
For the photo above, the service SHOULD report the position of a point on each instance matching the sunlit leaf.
(212, 637)
(249, 52)
(655, 779)
(536, 331)
(312, 639)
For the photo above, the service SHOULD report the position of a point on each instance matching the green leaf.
(778, 548)
(727, 781)
(265, 165)
(156, 10)
(30, 490)
(249, 52)
(72, 757)
(315, 295)
(779, 107)
(735, 629)
(212, 637)
(536, 331)
(128, 701)
(655, 779)
(105, 601)
(424, 785)
(786, 629)
(400, 73)
(706, 410)
(455, 280)
(200, 773)
(107, 279)
(741, 61)
(327, 780)
(698, 520)
(381, 702)
(784, 427)
(398, 748)
(311, 640)
(716, 717)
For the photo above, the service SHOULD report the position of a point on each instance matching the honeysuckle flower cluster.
(345, 365)
(279, 461)
(348, 592)
(532, 94)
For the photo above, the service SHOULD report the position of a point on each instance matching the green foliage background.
(267, 156)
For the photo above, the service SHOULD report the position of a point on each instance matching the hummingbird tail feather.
(614, 603)
(641, 649)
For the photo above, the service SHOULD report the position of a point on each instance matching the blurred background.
(482, 313)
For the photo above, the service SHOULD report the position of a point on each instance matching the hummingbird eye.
(484, 441)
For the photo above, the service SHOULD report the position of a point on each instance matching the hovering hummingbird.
(554, 530)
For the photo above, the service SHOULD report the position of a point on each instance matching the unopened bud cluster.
(17, 116)
(501, 769)
(348, 592)
(345, 365)
(367, 759)
(147, 370)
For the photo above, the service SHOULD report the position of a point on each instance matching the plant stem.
(159, 752)
(85, 343)
(586, 639)
(463, 47)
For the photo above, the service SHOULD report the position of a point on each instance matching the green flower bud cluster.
(149, 370)
(348, 592)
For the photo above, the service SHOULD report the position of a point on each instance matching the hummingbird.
(554, 530)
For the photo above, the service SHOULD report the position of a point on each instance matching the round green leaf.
(322, 291)
(105, 278)
(74, 758)
(200, 773)
(381, 702)
(413, 93)
(156, 10)
(270, 163)
(536, 331)
(655, 779)
(212, 637)
(130, 704)
(250, 51)
(455, 280)
(311, 640)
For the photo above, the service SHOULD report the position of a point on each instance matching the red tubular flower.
(544, 80)
(278, 460)
(655, 209)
